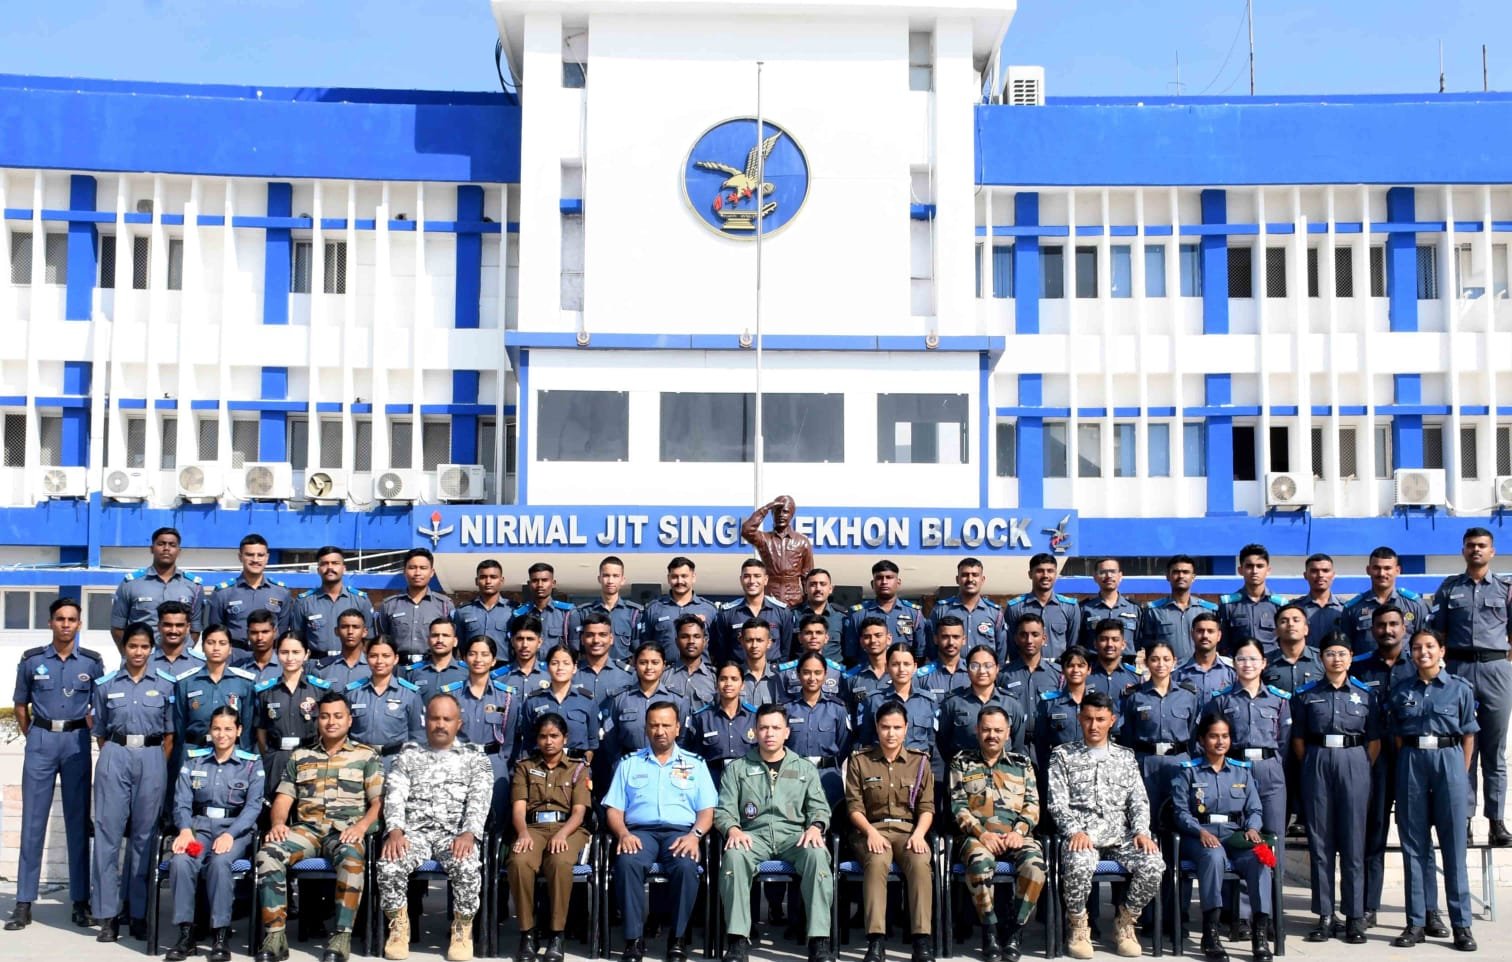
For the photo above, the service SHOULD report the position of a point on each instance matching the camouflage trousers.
(274, 858)
(1077, 868)
(980, 865)
(464, 874)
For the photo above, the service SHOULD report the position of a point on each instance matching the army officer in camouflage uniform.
(334, 790)
(435, 804)
(995, 801)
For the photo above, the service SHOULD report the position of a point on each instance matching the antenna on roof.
(1485, 76)
(1441, 66)
(1177, 87)
(1249, 13)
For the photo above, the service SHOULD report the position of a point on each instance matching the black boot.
(1411, 935)
(1260, 949)
(138, 929)
(529, 945)
(220, 945)
(1370, 920)
(923, 949)
(1212, 945)
(992, 951)
(555, 950)
(635, 950)
(677, 948)
(737, 950)
(20, 917)
(1239, 930)
(819, 950)
(875, 952)
(1434, 927)
(185, 946)
(1499, 837)
(1463, 941)
(110, 931)
(1321, 932)
(81, 916)
(1011, 933)
(1354, 931)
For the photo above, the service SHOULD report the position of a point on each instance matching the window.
(55, 262)
(920, 62)
(244, 440)
(1312, 272)
(803, 428)
(1469, 456)
(1055, 449)
(401, 440)
(1343, 272)
(20, 257)
(1194, 449)
(175, 264)
(1280, 449)
(136, 442)
(574, 75)
(1382, 451)
(921, 429)
(1159, 453)
(141, 262)
(15, 440)
(168, 456)
(1002, 271)
(1275, 272)
(107, 262)
(435, 444)
(209, 439)
(330, 442)
(707, 427)
(301, 266)
(1240, 272)
(1122, 266)
(1123, 449)
(25, 610)
(1155, 281)
(582, 426)
(362, 444)
(1348, 453)
(1086, 272)
(97, 605)
(1433, 446)
(1244, 453)
(1504, 451)
(1378, 272)
(1052, 273)
(1007, 449)
(1189, 260)
(299, 442)
(1427, 272)
(1089, 450)
(335, 267)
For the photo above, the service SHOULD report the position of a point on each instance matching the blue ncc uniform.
(1025, 685)
(725, 640)
(923, 711)
(1260, 729)
(760, 688)
(1159, 728)
(1381, 677)
(624, 620)
(834, 620)
(385, 720)
(1113, 683)
(905, 622)
(861, 681)
(1165, 620)
(58, 689)
(936, 677)
(176, 667)
(1220, 803)
(958, 718)
(1121, 610)
(138, 596)
(1207, 682)
(407, 622)
(1055, 723)
(697, 687)
(232, 601)
(1322, 618)
(197, 695)
(1431, 719)
(213, 798)
(1471, 617)
(475, 620)
(1245, 617)
(429, 679)
(787, 688)
(554, 618)
(488, 721)
(131, 717)
(601, 684)
(581, 714)
(313, 615)
(286, 718)
(1358, 612)
(718, 737)
(983, 621)
(625, 718)
(821, 733)
(335, 670)
(659, 621)
(1287, 675)
(1063, 623)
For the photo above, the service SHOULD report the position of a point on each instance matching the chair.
(157, 877)
(1110, 871)
(431, 871)
(849, 872)
(1005, 873)
(1184, 869)
(588, 871)
(772, 870)
(708, 868)
(321, 868)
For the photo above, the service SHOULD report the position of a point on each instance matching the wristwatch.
(697, 833)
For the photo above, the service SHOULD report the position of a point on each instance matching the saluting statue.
(788, 555)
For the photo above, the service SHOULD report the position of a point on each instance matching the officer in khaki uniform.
(889, 795)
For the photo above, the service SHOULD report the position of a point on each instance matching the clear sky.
(1110, 47)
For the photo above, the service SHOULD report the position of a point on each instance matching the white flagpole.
(760, 202)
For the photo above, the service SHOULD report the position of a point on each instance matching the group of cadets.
(1316, 712)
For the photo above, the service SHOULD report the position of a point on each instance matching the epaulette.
(1065, 599)
(200, 752)
(90, 652)
(168, 676)
(351, 685)
(1019, 600)
(1409, 594)
(1277, 600)
(560, 605)
(188, 674)
(1361, 657)
(247, 756)
(523, 609)
(452, 686)
(700, 711)
(1358, 684)
(853, 671)
(223, 584)
(856, 607)
(134, 575)
(1129, 669)
(500, 671)
(1356, 600)
(1051, 695)
(1193, 688)
(264, 685)
(406, 683)
(1193, 763)
(1237, 762)
(275, 581)
(192, 577)
(107, 676)
(1018, 758)
(33, 652)
(906, 603)
(1204, 603)
(317, 681)
(241, 673)
(1283, 694)
(307, 593)
(499, 685)
(358, 592)
(747, 706)
(924, 670)
(833, 664)
(631, 604)
(788, 665)
(1222, 691)
(732, 605)
(1229, 598)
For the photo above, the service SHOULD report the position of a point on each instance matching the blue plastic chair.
(241, 875)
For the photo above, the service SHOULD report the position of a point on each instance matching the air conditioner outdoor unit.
(460, 482)
(1024, 87)
(125, 484)
(326, 485)
(1284, 489)
(201, 481)
(397, 485)
(63, 482)
(1503, 491)
(1419, 487)
(268, 481)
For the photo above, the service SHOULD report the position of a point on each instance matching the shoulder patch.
(168, 676)
(1364, 656)
(107, 677)
(351, 685)
(188, 674)
(853, 671)
(1229, 598)
(1065, 599)
(906, 603)
(307, 593)
(522, 610)
(1051, 695)
(856, 607)
(834, 664)
(1409, 594)
(318, 682)
(1019, 600)
(1239, 763)
(1204, 604)
(34, 652)
(267, 683)
(223, 584)
(560, 605)
(199, 752)
(1226, 689)
(1192, 763)
(788, 665)
(924, 670)
(1357, 683)
(499, 685)
(1283, 694)
(732, 605)
(452, 686)
(247, 756)
(241, 673)
(746, 705)
(406, 683)
(1277, 600)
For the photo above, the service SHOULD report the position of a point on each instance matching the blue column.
(1401, 262)
(273, 427)
(1031, 441)
(1218, 390)
(1407, 429)
(1026, 271)
(464, 427)
(1215, 308)
(72, 555)
(469, 286)
(984, 427)
(277, 264)
(82, 241)
(77, 376)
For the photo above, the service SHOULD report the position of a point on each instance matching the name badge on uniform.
(537, 773)
(710, 736)
(115, 694)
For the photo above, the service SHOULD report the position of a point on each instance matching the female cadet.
(1433, 722)
(215, 806)
(1213, 797)
(486, 704)
(1259, 718)
(1055, 718)
(286, 709)
(919, 705)
(387, 710)
(724, 731)
(820, 725)
(1336, 737)
(560, 698)
(549, 800)
(1157, 723)
(625, 718)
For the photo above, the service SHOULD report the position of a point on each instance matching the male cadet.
(406, 618)
(54, 684)
(947, 673)
(771, 806)
(1383, 567)
(262, 635)
(1470, 613)
(488, 614)
(981, 616)
(817, 588)
(813, 636)
(659, 807)
(659, 621)
(1028, 675)
(1060, 616)
(1169, 619)
(172, 658)
(754, 605)
(313, 614)
(871, 672)
(996, 804)
(138, 596)
(435, 806)
(598, 678)
(350, 663)
(1110, 604)
(232, 601)
(624, 615)
(760, 683)
(1250, 612)
(441, 666)
(1319, 604)
(903, 619)
(1098, 802)
(1111, 674)
(889, 797)
(331, 818)
(1295, 661)
(554, 614)
(1206, 672)
(692, 677)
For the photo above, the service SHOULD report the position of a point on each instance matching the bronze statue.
(787, 554)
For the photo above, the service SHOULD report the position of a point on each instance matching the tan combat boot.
(1125, 936)
(397, 946)
(461, 948)
(1078, 936)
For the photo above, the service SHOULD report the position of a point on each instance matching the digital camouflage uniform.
(434, 795)
(1001, 797)
(331, 792)
(1105, 798)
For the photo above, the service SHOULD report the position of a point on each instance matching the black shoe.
(1434, 926)
(1354, 931)
(185, 946)
(677, 949)
(1463, 941)
(1321, 932)
(81, 916)
(555, 950)
(819, 950)
(992, 951)
(923, 949)
(1212, 945)
(264, 955)
(635, 950)
(1011, 932)
(1260, 949)
(1411, 935)
(1239, 930)
(1499, 837)
(1369, 920)
(110, 931)
(528, 946)
(20, 917)
(331, 955)
(875, 949)
(737, 949)
(220, 947)
(138, 929)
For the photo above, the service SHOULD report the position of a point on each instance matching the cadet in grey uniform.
(1321, 606)
(625, 716)
(1383, 567)
(407, 617)
(905, 620)
(442, 664)
(726, 730)
(1110, 605)
(1251, 611)
(1169, 619)
(813, 636)
(236, 598)
(286, 709)
(817, 588)
(624, 615)
(692, 677)
(313, 614)
(578, 713)
(659, 621)
(1060, 614)
(980, 616)
(386, 710)
(756, 605)
(138, 596)
(350, 663)
(488, 614)
(554, 614)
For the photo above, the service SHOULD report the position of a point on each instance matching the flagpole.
(760, 202)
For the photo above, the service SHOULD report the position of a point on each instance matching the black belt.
(1239, 753)
(1153, 748)
(1350, 741)
(1444, 741)
(148, 741)
(393, 749)
(1481, 655)
(200, 808)
(58, 726)
(492, 748)
(828, 761)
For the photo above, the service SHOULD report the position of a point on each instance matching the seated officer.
(771, 806)
(889, 795)
(332, 817)
(659, 806)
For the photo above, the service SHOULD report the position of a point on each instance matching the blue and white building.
(518, 324)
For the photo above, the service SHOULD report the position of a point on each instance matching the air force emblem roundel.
(733, 172)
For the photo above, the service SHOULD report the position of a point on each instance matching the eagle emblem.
(765, 192)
